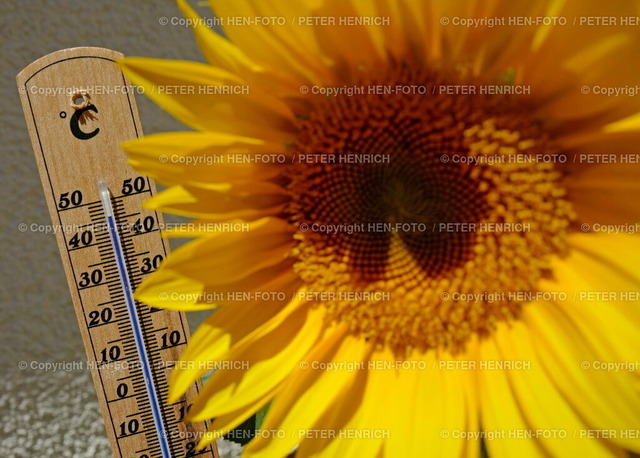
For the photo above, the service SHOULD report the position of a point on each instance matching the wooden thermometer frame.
(79, 108)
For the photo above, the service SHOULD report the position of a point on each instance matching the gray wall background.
(55, 413)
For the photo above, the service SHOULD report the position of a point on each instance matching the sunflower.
(421, 268)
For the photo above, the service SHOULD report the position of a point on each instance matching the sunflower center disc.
(423, 216)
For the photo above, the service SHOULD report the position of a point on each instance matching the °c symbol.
(75, 128)
(63, 114)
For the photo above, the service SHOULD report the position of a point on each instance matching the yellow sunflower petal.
(214, 338)
(472, 403)
(217, 49)
(165, 289)
(309, 391)
(335, 424)
(584, 54)
(606, 195)
(418, 412)
(201, 157)
(225, 423)
(361, 54)
(274, 283)
(208, 98)
(541, 404)
(222, 201)
(228, 326)
(271, 357)
(204, 227)
(500, 410)
(507, 45)
(223, 53)
(584, 149)
(596, 273)
(369, 417)
(562, 349)
(288, 49)
(485, 51)
(216, 260)
(612, 261)
(614, 339)
(598, 283)
(592, 109)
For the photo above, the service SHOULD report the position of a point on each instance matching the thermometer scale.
(79, 108)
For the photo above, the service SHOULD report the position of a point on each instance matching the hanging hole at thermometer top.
(80, 100)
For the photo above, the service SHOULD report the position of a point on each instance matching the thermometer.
(79, 108)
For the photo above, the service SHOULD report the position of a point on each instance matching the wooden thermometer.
(79, 108)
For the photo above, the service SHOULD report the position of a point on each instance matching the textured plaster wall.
(55, 413)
